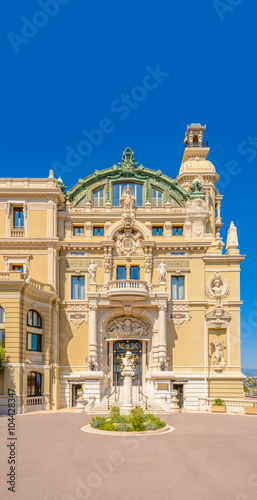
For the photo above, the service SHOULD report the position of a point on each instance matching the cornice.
(25, 242)
(223, 258)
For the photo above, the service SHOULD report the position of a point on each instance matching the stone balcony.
(16, 276)
(127, 290)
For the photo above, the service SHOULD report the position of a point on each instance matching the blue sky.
(70, 67)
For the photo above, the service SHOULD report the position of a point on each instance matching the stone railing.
(35, 401)
(19, 276)
(39, 285)
(128, 285)
(205, 403)
(122, 288)
(17, 233)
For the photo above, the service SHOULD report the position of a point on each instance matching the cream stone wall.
(74, 329)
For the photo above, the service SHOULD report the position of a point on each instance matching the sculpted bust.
(128, 360)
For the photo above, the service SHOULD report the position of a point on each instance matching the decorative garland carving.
(127, 327)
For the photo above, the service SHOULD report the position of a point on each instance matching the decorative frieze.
(179, 313)
(78, 263)
(127, 327)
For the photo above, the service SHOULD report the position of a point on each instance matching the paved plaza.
(206, 457)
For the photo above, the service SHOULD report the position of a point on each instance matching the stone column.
(162, 328)
(127, 373)
(93, 329)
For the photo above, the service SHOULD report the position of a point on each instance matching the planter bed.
(218, 409)
(250, 410)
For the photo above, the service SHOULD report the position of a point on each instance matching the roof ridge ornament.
(196, 189)
(128, 161)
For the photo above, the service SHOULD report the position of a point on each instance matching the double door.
(119, 350)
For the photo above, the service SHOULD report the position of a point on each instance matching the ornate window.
(137, 189)
(34, 331)
(98, 198)
(98, 231)
(78, 230)
(177, 230)
(134, 273)
(177, 287)
(18, 218)
(78, 287)
(34, 319)
(121, 273)
(34, 384)
(156, 198)
(17, 267)
(2, 327)
(34, 342)
(157, 231)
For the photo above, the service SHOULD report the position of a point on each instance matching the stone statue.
(92, 272)
(128, 360)
(218, 348)
(128, 200)
(162, 272)
(127, 374)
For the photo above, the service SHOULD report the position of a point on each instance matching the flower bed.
(137, 421)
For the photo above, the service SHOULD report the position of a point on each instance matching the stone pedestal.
(174, 407)
(93, 383)
(127, 406)
(80, 407)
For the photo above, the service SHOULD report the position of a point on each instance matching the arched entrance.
(119, 350)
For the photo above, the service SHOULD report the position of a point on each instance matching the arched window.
(2, 327)
(156, 198)
(98, 198)
(34, 331)
(2, 315)
(34, 319)
(137, 189)
(34, 384)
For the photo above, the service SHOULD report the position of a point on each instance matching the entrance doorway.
(75, 387)
(119, 350)
(180, 396)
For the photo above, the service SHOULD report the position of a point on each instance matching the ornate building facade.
(128, 259)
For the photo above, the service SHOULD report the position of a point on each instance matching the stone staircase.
(152, 405)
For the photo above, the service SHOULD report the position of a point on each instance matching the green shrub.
(156, 420)
(115, 412)
(150, 426)
(151, 416)
(145, 417)
(120, 419)
(2, 358)
(107, 426)
(137, 412)
(97, 422)
(137, 423)
(218, 402)
(122, 427)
